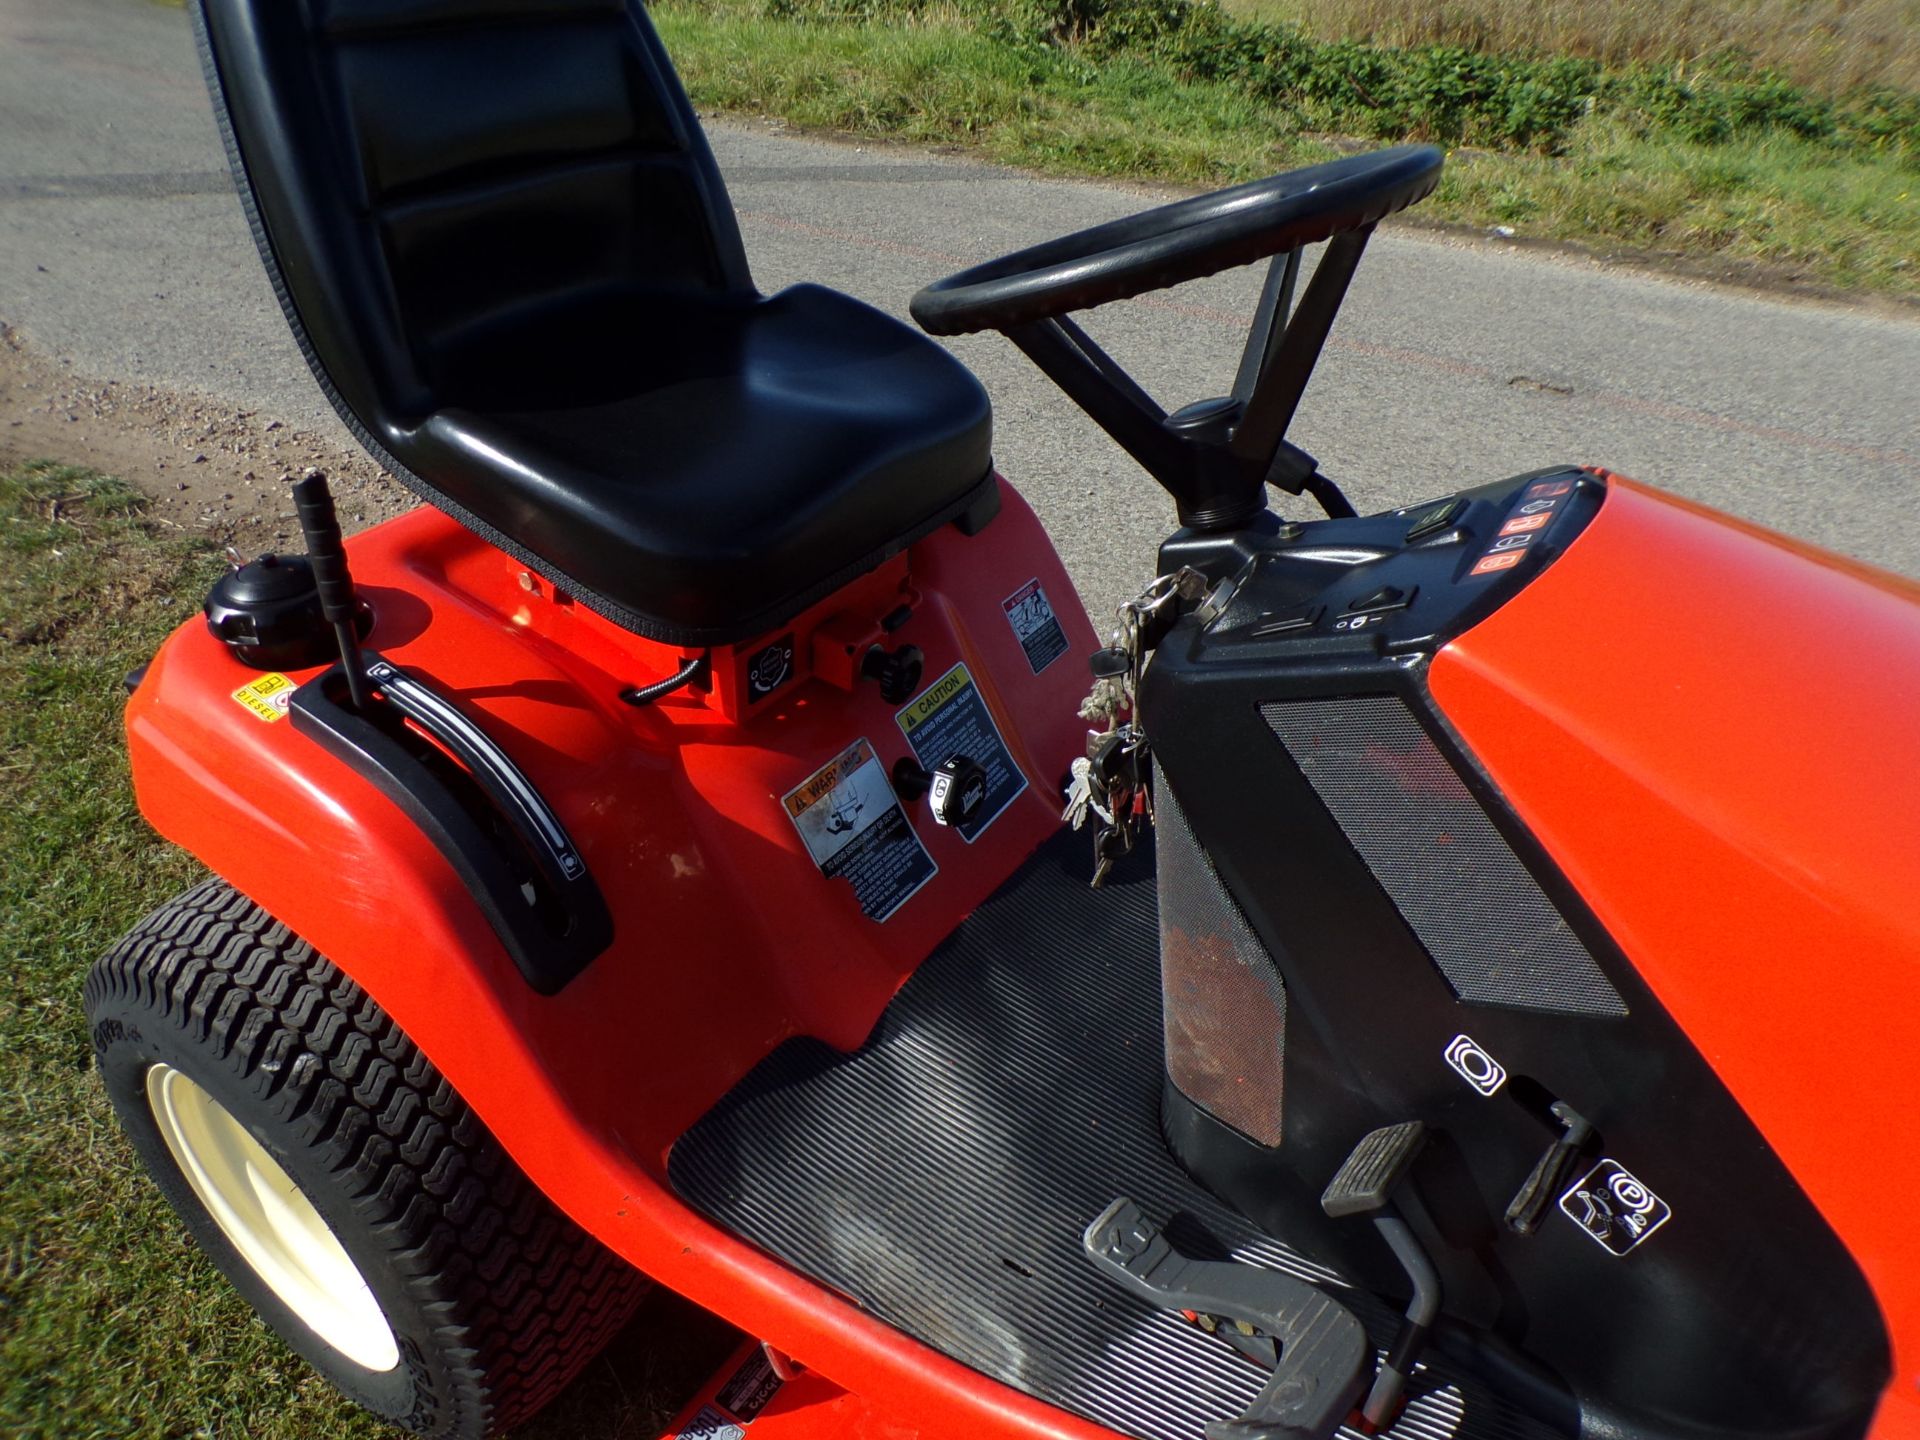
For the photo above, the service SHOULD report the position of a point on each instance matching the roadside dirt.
(210, 469)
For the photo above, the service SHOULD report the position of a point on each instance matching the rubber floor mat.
(943, 1174)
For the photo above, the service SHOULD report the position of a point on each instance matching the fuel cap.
(267, 612)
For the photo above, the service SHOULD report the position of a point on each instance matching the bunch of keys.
(1109, 782)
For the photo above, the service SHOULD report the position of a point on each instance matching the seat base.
(769, 451)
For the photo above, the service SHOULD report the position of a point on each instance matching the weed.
(1708, 160)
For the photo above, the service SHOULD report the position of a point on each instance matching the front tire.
(337, 1180)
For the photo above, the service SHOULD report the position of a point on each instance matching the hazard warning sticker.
(752, 1386)
(853, 827)
(950, 718)
(1035, 625)
(736, 1404)
(710, 1424)
(267, 697)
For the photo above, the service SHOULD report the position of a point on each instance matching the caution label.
(951, 718)
(752, 1386)
(710, 1424)
(1035, 625)
(737, 1403)
(267, 697)
(852, 825)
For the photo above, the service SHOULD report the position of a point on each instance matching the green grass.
(1830, 45)
(111, 1323)
(1743, 171)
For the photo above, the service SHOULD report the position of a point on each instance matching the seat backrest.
(463, 197)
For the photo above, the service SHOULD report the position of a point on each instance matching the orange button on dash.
(1490, 563)
(1521, 524)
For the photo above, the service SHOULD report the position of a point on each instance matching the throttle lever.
(327, 555)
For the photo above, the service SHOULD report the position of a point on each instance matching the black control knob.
(898, 671)
(268, 614)
(955, 789)
(958, 791)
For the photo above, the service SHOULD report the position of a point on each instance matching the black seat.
(506, 251)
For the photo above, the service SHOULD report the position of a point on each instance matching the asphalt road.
(123, 250)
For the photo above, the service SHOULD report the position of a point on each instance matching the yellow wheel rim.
(273, 1226)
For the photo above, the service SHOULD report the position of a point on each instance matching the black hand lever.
(327, 554)
(1551, 1172)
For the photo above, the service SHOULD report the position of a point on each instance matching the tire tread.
(523, 1298)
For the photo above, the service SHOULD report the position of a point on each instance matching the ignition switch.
(956, 788)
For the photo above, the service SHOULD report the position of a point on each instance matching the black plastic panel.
(1385, 850)
(484, 816)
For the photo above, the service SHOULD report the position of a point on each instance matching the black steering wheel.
(1181, 241)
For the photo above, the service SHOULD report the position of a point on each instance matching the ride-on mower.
(1470, 989)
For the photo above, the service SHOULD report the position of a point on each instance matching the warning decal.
(1035, 625)
(752, 1386)
(852, 825)
(736, 1404)
(950, 718)
(267, 697)
(710, 1424)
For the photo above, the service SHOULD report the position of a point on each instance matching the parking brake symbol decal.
(1615, 1208)
(1475, 1066)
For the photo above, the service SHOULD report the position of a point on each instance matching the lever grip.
(326, 547)
(327, 556)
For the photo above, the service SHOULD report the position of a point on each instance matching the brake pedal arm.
(1324, 1353)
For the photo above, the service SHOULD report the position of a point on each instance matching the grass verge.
(1759, 179)
(112, 1325)
(1830, 45)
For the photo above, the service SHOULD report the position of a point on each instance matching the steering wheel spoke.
(1276, 391)
(1269, 329)
(1094, 381)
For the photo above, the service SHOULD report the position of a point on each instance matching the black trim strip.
(490, 764)
(496, 830)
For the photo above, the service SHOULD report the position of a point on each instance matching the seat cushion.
(771, 450)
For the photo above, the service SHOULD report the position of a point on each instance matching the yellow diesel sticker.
(266, 697)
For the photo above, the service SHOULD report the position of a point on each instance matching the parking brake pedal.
(1318, 1351)
(1364, 1187)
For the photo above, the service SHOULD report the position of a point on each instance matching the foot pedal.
(1319, 1351)
(1364, 1187)
(1374, 1170)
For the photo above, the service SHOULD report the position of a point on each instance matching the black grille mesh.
(1225, 1005)
(1495, 936)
